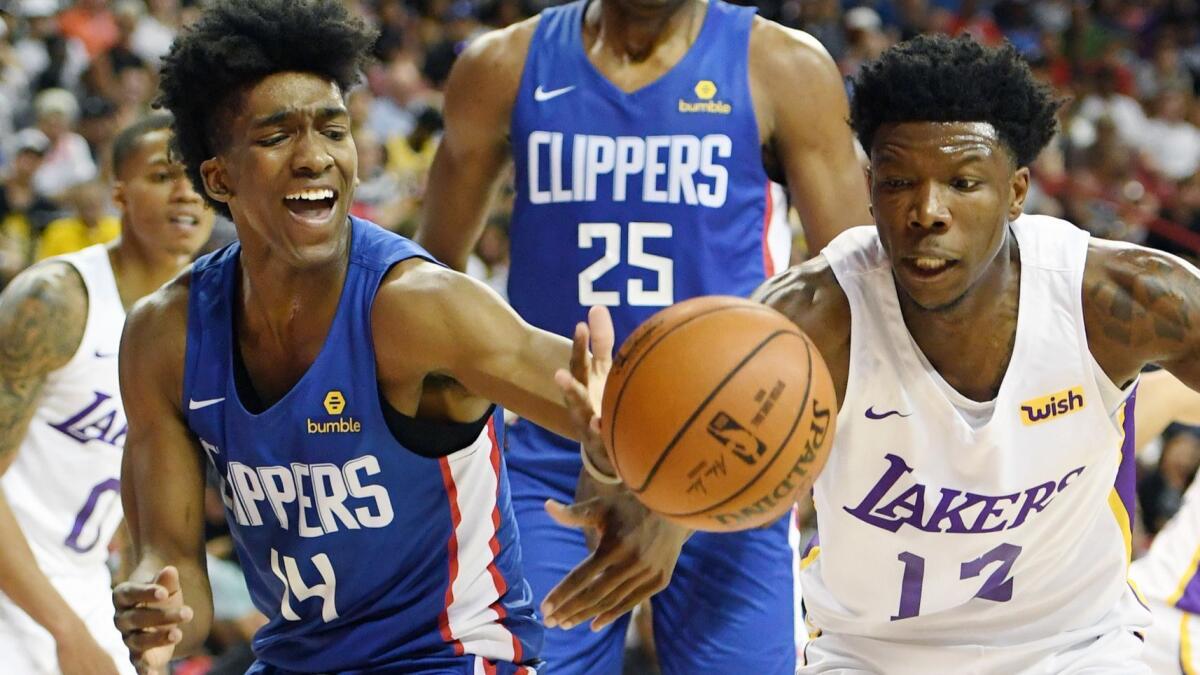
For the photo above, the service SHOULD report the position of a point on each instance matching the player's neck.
(275, 292)
(970, 343)
(140, 272)
(633, 34)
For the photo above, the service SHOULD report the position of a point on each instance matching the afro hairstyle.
(941, 79)
(237, 43)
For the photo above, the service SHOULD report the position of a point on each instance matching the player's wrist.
(601, 470)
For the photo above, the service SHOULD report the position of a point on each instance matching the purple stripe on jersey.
(1190, 600)
(812, 543)
(1126, 483)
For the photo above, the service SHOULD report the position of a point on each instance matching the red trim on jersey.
(489, 668)
(494, 544)
(768, 263)
(452, 545)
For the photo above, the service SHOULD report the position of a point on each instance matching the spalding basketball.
(718, 412)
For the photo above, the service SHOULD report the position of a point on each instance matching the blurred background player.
(645, 137)
(62, 426)
(1168, 576)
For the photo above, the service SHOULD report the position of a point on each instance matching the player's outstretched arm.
(42, 316)
(800, 93)
(166, 604)
(474, 151)
(1141, 307)
(440, 321)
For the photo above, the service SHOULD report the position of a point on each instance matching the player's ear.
(868, 174)
(118, 194)
(216, 181)
(1020, 189)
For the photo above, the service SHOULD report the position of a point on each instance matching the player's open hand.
(583, 384)
(149, 618)
(633, 556)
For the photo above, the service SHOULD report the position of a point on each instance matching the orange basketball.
(718, 411)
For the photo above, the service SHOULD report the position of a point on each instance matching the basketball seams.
(632, 367)
(778, 451)
(712, 394)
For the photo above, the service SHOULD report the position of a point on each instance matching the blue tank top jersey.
(635, 200)
(364, 554)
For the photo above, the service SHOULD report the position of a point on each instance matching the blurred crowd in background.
(1125, 165)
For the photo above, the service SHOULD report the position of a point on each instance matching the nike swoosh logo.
(193, 404)
(541, 95)
(872, 415)
(102, 355)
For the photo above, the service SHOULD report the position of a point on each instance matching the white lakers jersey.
(64, 485)
(944, 521)
(1169, 572)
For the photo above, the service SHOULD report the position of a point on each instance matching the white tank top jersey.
(1169, 571)
(64, 485)
(945, 521)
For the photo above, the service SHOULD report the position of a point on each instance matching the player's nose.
(930, 208)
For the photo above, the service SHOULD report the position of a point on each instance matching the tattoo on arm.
(42, 316)
(1146, 303)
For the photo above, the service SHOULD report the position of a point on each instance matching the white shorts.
(1173, 642)
(1116, 653)
(27, 648)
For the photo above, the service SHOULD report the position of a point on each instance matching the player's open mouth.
(184, 221)
(929, 267)
(313, 206)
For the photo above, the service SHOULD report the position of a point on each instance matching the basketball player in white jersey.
(974, 513)
(62, 426)
(1167, 576)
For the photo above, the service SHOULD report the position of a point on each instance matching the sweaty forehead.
(289, 92)
(936, 139)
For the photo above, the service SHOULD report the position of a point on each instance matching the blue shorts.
(452, 665)
(730, 607)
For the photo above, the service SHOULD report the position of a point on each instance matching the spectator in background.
(91, 224)
(48, 57)
(461, 27)
(1170, 143)
(69, 161)
(155, 30)
(98, 125)
(14, 82)
(23, 212)
(92, 23)
(399, 88)
(1104, 100)
(1161, 491)
(1165, 70)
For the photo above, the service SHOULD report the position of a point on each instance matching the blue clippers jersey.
(634, 200)
(362, 553)
(639, 200)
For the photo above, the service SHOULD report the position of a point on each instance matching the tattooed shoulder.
(42, 316)
(1141, 305)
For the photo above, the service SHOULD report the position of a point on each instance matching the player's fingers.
(141, 618)
(605, 592)
(144, 640)
(571, 585)
(603, 336)
(579, 515)
(575, 393)
(129, 594)
(652, 585)
(168, 578)
(579, 353)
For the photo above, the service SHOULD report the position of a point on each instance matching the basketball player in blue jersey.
(62, 427)
(333, 376)
(974, 513)
(645, 136)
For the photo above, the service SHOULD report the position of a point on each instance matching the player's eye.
(335, 133)
(271, 140)
(962, 183)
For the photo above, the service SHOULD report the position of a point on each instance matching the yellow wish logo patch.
(1065, 402)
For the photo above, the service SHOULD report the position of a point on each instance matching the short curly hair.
(941, 79)
(237, 43)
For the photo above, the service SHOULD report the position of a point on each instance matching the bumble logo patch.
(334, 404)
(705, 91)
(1065, 402)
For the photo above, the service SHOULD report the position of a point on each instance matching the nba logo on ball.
(718, 411)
